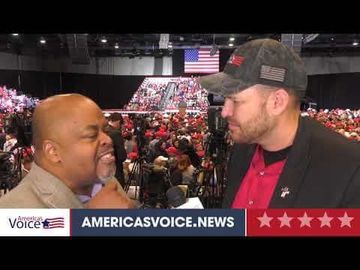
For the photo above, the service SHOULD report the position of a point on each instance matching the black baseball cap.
(260, 61)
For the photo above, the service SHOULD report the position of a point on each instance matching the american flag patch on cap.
(236, 60)
(272, 73)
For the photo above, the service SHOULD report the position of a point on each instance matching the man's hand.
(108, 197)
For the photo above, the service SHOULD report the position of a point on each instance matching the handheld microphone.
(176, 199)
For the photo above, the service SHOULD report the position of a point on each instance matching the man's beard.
(254, 128)
(105, 171)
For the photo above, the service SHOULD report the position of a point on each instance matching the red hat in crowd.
(132, 155)
(129, 126)
(350, 127)
(201, 153)
(158, 134)
(148, 133)
(197, 136)
(172, 150)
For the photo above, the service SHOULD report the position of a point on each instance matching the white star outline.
(285, 220)
(265, 220)
(305, 220)
(325, 220)
(345, 220)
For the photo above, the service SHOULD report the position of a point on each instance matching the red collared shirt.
(258, 185)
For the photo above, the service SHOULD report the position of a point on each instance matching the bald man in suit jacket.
(74, 164)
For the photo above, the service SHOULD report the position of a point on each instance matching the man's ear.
(51, 151)
(278, 101)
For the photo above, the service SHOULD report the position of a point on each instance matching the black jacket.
(322, 170)
(119, 152)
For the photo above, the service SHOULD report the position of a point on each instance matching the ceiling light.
(231, 39)
(103, 40)
(355, 43)
(15, 35)
(231, 44)
(42, 41)
(116, 46)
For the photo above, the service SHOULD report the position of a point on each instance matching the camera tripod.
(10, 171)
(212, 192)
(136, 178)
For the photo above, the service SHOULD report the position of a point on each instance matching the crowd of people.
(188, 90)
(12, 101)
(149, 95)
(345, 122)
(15, 128)
(152, 91)
(177, 140)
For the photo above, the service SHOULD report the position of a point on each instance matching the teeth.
(107, 156)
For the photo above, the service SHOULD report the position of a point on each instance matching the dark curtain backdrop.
(9, 78)
(109, 92)
(335, 90)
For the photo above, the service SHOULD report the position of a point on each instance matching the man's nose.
(227, 110)
(105, 139)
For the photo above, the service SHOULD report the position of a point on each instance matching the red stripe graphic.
(303, 222)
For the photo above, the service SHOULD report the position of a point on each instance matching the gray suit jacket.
(40, 189)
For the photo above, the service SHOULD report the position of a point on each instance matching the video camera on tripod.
(8, 172)
(215, 153)
(150, 181)
(216, 144)
(139, 123)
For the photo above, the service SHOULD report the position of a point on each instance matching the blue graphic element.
(45, 223)
(155, 222)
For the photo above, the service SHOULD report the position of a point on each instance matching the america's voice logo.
(36, 222)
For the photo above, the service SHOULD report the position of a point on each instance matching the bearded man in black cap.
(280, 159)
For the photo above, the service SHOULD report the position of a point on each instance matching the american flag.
(200, 61)
(51, 223)
(272, 73)
(236, 60)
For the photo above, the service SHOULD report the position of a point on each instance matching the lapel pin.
(284, 191)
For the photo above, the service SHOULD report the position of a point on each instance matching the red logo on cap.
(236, 60)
